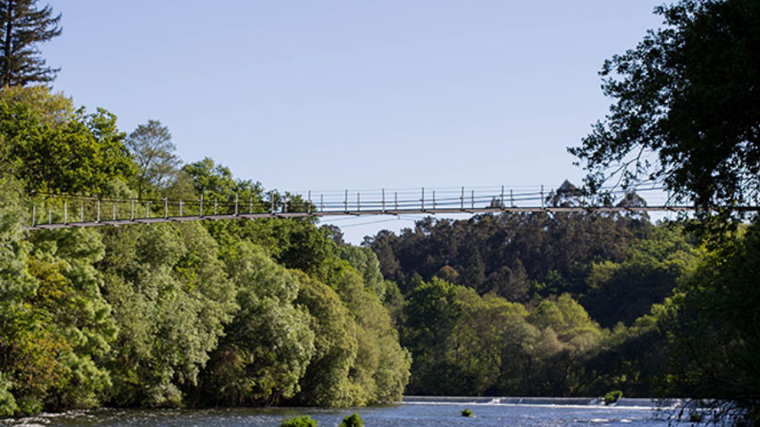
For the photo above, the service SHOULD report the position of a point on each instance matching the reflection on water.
(416, 411)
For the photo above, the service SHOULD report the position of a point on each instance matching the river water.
(415, 411)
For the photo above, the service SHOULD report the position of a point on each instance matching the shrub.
(466, 413)
(353, 420)
(612, 397)
(302, 421)
(7, 403)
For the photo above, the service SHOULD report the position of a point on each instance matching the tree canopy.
(687, 106)
(152, 149)
(687, 112)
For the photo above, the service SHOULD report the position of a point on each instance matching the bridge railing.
(57, 211)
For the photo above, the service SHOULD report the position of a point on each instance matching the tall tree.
(687, 112)
(687, 106)
(153, 150)
(24, 26)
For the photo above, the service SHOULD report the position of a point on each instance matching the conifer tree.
(22, 27)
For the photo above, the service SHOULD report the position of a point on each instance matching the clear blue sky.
(327, 95)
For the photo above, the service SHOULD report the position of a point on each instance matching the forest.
(284, 312)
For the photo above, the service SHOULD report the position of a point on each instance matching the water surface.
(427, 412)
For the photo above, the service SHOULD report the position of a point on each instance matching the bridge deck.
(374, 212)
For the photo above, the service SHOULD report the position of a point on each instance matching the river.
(416, 411)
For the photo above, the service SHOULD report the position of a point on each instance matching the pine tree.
(22, 27)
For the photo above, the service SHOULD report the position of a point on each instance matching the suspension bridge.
(72, 211)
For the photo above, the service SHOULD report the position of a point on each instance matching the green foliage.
(353, 420)
(673, 119)
(302, 421)
(268, 343)
(465, 344)
(713, 326)
(612, 397)
(487, 337)
(215, 182)
(68, 291)
(174, 314)
(171, 298)
(52, 109)
(8, 405)
(505, 253)
(466, 413)
(365, 262)
(55, 327)
(695, 417)
(42, 147)
(15, 281)
(569, 320)
(625, 291)
(23, 26)
(326, 381)
(631, 359)
(381, 368)
(152, 149)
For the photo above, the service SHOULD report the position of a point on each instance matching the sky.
(354, 94)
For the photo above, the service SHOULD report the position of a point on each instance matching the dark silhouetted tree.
(24, 26)
(687, 106)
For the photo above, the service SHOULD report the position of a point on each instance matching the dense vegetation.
(535, 304)
(232, 313)
(282, 311)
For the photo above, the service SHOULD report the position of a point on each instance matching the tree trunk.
(7, 46)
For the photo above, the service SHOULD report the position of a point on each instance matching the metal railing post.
(542, 197)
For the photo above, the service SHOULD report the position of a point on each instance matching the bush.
(7, 402)
(353, 420)
(302, 421)
(466, 413)
(695, 417)
(612, 397)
